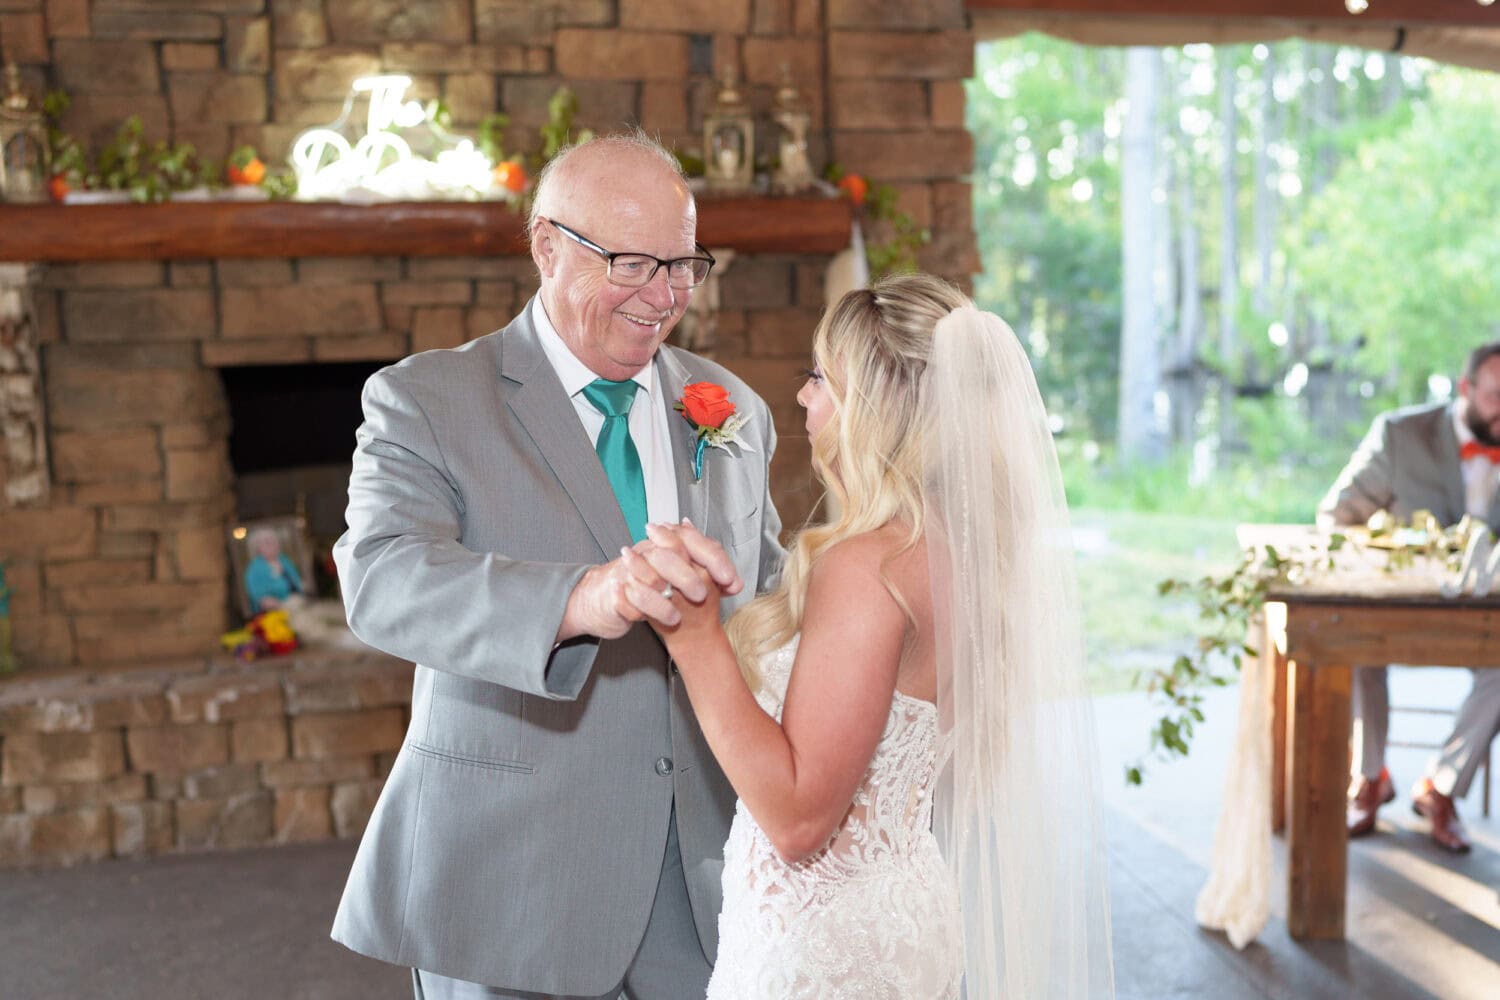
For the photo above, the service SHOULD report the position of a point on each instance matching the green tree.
(1399, 253)
(1269, 283)
(1046, 204)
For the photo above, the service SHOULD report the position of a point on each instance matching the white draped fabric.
(1237, 897)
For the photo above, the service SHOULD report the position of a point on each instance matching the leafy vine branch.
(146, 171)
(892, 244)
(154, 171)
(1228, 603)
(1226, 606)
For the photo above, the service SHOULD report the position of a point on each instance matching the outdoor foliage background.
(1319, 243)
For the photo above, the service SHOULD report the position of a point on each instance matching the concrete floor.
(254, 924)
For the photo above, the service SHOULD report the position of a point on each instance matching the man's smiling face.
(632, 204)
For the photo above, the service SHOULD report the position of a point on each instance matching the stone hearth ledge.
(195, 754)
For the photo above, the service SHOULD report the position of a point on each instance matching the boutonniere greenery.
(714, 418)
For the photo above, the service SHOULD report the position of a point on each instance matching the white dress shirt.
(1480, 474)
(647, 421)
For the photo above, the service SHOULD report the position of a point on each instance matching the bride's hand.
(675, 575)
(707, 553)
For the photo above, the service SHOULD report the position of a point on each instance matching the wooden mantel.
(206, 229)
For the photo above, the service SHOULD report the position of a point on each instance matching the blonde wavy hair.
(872, 348)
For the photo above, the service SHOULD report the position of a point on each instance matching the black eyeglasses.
(633, 270)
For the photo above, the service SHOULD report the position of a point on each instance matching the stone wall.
(216, 755)
(884, 78)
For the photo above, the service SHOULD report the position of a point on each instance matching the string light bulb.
(1360, 6)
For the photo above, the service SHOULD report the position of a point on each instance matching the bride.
(904, 718)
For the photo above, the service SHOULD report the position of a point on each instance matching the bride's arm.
(798, 777)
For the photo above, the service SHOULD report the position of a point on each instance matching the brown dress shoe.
(1447, 832)
(1368, 797)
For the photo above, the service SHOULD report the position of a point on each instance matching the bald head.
(619, 194)
(583, 165)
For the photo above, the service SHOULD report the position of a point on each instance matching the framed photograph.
(271, 560)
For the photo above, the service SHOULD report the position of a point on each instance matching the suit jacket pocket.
(451, 757)
(743, 529)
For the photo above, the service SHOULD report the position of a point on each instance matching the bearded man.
(1443, 458)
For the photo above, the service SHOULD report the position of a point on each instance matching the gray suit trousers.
(1475, 725)
(663, 967)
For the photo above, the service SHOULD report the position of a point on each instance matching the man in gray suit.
(554, 823)
(1441, 458)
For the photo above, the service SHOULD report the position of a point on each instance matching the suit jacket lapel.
(547, 414)
(692, 497)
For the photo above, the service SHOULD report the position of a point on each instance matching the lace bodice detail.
(874, 913)
(892, 809)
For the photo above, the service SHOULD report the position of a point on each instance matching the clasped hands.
(673, 579)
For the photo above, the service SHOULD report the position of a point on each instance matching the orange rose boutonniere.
(717, 420)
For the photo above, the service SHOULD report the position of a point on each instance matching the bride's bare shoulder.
(876, 546)
(886, 556)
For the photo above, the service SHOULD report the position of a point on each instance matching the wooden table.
(1315, 634)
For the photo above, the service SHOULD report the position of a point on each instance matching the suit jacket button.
(664, 766)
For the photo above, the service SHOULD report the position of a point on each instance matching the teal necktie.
(622, 463)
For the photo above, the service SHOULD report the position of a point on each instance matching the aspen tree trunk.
(1138, 436)
(1229, 258)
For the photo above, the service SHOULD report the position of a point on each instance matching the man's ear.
(544, 248)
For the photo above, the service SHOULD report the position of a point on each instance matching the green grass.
(1122, 555)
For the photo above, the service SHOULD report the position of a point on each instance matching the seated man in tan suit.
(1444, 458)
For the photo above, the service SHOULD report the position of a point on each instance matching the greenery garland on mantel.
(153, 171)
(1228, 603)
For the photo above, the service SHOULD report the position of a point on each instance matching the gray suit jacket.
(519, 837)
(1408, 461)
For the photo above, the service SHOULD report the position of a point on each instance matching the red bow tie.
(1473, 449)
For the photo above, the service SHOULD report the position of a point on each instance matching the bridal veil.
(1017, 806)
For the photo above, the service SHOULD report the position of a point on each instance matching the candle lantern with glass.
(729, 139)
(793, 173)
(23, 142)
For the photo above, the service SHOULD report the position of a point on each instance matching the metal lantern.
(23, 143)
(793, 171)
(729, 139)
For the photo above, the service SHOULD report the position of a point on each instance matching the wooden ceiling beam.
(1432, 13)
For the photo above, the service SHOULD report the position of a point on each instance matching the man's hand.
(598, 605)
(609, 599)
(677, 573)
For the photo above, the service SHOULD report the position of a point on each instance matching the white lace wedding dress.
(874, 915)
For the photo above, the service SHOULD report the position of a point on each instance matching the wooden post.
(1273, 655)
(1317, 847)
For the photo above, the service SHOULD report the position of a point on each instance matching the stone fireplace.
(291, 429)
(182, 396)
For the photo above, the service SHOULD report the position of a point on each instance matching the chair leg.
(1487, 776)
